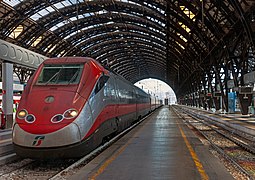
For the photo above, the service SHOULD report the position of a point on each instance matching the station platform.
(161, 147)
(237, 121)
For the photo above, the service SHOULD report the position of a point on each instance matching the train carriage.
(70, 105)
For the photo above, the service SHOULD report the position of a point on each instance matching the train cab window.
(53, 74)
(101, 82)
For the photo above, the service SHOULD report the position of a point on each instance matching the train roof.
(68, 60)
(74, 60)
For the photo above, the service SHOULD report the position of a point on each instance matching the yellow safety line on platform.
(194, 156)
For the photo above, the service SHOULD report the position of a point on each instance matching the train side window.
(109, 90)
(101, 82)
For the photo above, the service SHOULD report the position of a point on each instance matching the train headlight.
(70, 113)
(30, 118)
(57, 118)
(22, 114)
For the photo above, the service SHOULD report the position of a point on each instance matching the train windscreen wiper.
(74, 76)
(54, 76)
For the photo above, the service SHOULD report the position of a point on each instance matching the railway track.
(28, 169)
(235, 149)
(32, 169)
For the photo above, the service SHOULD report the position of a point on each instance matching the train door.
(117, 97)
(151, 108)
(117, 104)
(135, 94)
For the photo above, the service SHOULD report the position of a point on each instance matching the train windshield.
(60, 74)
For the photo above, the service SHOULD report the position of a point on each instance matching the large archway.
(158, 88)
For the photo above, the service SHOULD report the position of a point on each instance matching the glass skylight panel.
(131, 2)
(16, 32)
(74, 1)
(157, 21)
(73, 33)
(180, 45)
(124, 13)
(41, 13)
(66, 3)
(153, 29)
(110, 22)
(37, 41)
(54, 28)
(36, 16)
(52, 48)
(48, 47)
(12, 3)
(188, 13)
(73, 18)
(61, 24)
(161, 11)
(139, 32)
(162, 24)
(59, 5)
(101, 55)
(157, 44)
(50, 9)
(137, 13)
(101, 12)
(63, 52)
(138, 24)
(80, 16)
(156, 8)
(87, 14)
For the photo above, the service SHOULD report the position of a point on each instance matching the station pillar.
(204, 103)
(7, 78)
(245, 102)
(199, 102)
(196, 102)
(209, 102)
(216, 100)
(202, 100)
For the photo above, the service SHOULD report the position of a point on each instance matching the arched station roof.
(174, 41)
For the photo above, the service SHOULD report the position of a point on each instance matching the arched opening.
(158, 88)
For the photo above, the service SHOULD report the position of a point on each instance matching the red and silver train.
(70, 105)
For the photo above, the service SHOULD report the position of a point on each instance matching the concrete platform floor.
(161, 147)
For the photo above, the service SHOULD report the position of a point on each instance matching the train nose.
(48, 111)
(65, 136)
(51, 107)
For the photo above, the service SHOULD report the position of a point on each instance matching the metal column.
(7, 77)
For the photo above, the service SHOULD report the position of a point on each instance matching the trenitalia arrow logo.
(38, 140)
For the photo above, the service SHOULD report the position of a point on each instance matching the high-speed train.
(70, 105)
